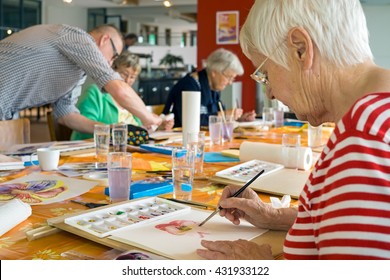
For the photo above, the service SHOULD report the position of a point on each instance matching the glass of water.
(119, 176)
(119, 137)
(102, 144)
(183, 173)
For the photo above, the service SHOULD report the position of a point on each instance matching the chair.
(14, 132)
(58, 132)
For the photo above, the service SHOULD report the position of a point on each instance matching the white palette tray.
(245, 171)
(105, 221)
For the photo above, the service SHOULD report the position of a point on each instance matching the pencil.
(237, 193)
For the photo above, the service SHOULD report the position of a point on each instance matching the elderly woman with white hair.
(222, 67)
(314, 56)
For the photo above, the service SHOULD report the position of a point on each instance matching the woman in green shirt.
(100, 106)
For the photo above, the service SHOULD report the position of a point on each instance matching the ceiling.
(130, 3)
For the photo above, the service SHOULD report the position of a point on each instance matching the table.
(64, 245)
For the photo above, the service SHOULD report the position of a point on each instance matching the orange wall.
(207, 42)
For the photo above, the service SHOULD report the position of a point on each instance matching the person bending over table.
(222, 68)
(47, 64)
(101, 107)
(316, 59)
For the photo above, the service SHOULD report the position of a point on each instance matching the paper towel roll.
(190, 113)
(273, 153)
(12, 213)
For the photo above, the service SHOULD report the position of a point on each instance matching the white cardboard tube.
(190, 113)
(273, 153)
(13, 213)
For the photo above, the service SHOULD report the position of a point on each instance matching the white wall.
(58, 12)
(378, 22)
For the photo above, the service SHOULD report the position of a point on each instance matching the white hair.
(222, 59)
(337, 27)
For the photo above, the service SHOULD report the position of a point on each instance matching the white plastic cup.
(48, 158)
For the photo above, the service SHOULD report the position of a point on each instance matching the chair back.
(14, 132)
(58, 132)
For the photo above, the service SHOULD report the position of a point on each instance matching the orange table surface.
(14, 244)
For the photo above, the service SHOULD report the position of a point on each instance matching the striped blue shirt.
(47, 64)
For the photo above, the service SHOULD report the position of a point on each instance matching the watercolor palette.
(247, 170)
(105, 221)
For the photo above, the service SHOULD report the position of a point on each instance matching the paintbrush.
(237, 193)
(224, 119)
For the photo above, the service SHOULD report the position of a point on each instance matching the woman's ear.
(301, 45)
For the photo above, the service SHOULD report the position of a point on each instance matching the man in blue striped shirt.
(47, 64)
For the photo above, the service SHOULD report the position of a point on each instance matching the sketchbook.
(145, 222)
(63, 146)
(10, 163)
(280, 182)
(182, 235)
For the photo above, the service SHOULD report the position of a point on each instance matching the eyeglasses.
(230, 79)
(260, 77)
(116, 54)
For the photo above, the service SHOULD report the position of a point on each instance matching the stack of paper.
(10, 163)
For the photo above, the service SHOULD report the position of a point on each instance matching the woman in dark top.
(222, 68)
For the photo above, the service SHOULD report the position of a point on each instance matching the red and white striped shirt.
(344, 208)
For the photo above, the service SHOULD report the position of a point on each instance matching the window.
(18, 14)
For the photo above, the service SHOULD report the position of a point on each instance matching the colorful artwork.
(227, 27)
(32, 191)
(43, 189)
(181, 227)
(178, 237)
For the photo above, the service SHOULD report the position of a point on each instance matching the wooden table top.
(65, 245)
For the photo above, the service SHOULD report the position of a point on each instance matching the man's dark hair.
(131, 36)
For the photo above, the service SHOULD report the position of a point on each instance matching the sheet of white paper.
(182, 236)
(44, 189)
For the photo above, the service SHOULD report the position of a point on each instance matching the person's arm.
(80, 48)
(129, 99)
(78, 122)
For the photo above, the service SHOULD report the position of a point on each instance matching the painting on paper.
(43, 189)
(227, 27)
(182, 235)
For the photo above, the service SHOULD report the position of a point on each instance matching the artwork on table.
(43, 189)
(227, 27)
(182, 235)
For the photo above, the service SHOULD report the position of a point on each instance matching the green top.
(97, 106)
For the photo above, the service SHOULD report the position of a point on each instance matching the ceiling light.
(167, 3)
(67, 1)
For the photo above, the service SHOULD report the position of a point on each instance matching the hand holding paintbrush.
(236, 194)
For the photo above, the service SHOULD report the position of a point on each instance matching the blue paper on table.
(218, 157)
(156, 148)
(149, 187)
